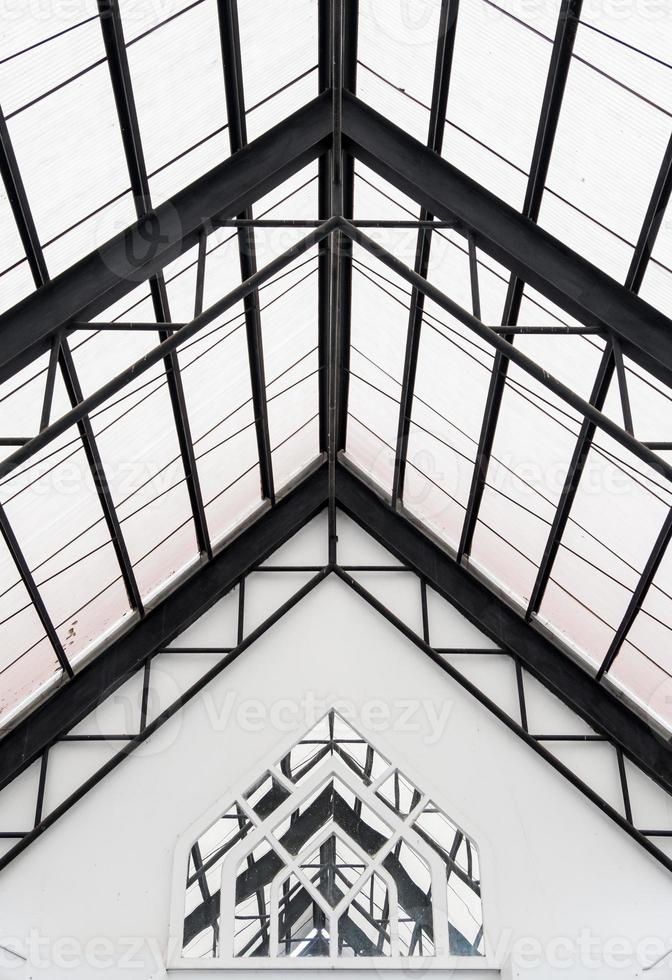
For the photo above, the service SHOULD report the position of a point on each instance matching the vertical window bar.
(623, 776)
(572, 480)
(623, 387)
(641, 256)
(18, 200)
(32, 590)
(349, 83)
(39, 807)
(639, 595)
(437, 124)
(335, 265)
(235, 102)
(473, 274)
(200, 273)
(95, 462)
(50, 382)
(556, 81)
(115, 47)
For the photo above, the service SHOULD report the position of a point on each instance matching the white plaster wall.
(558, 876)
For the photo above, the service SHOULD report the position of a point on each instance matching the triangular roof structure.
(269, 259)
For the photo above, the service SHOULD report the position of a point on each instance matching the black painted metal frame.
(335, 128)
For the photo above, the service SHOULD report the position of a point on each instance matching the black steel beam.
(229, 30)
(437, 126)
(542, 261)
(68, 706)
(556, 81)
(136, 254)
(597, 706)
(122, 89)
(624, 822)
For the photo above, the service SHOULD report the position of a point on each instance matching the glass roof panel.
(178, 82)
(497, 85)
(56, 515)
(644, 665)
(279, 53)
(622, 504)
(49, 138)
(30, 75)
(614, 128)
(607, 152)
(397, 48)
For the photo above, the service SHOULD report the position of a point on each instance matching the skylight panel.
(15, 283)
(32, 74)
(607, 153)
(450, 391)
(531, 453)
(178, 83)
(644, 664)
(622, 507)
(44, 24)
(56, 515)
(380, 304)
(397, 53)
(15, 277)
(141, 455)
(279, 55)
(27, 658)
(500, 65)
(63, 183)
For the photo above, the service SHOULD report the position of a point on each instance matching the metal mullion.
(200, 273)
(33, 592)
(324, 212)
(235, 103)
(639, 595)
(349, 82)
(437, 122)
(335, 264)
(39, 806)
(473, 275)
(610, 362)
(621, 374)
(50, 383)
(16, 193)
(122, 88)
(556, 81)
(623, 776)
(660, 199)
(573, 478)
(95, 462)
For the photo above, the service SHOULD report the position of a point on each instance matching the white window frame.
(262, 831)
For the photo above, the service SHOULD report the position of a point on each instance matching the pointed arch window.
(333, 853)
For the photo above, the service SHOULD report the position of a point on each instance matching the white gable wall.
(562, 885)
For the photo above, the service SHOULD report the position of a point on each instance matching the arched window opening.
(332, 853)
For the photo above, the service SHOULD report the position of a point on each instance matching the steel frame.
(154, 637)
(335, 128)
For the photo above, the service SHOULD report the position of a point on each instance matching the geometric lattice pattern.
(333, 853)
